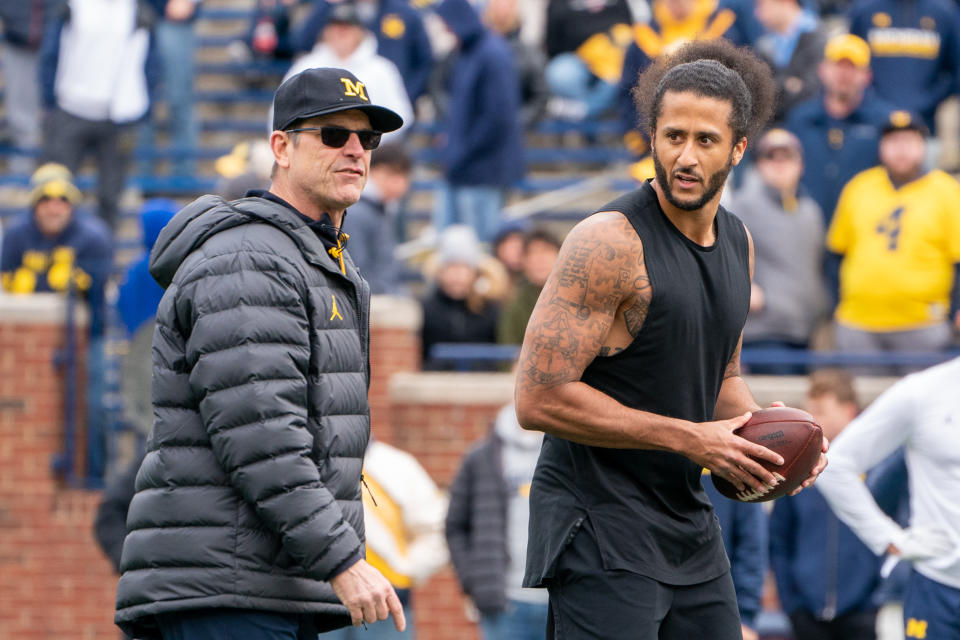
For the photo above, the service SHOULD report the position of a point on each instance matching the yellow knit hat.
(53, 180)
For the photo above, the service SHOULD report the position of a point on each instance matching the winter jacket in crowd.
(914, 51)
(249, 494)
(448, 320)
(401, 38)
(488, 550)
(484, 140)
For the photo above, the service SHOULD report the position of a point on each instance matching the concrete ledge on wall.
(497, 388)
(395, 312)
(451, 388)
(792, 390)
(38, 308)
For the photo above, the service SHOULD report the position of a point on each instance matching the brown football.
(790, 432)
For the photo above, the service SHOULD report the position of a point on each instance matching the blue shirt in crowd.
(914, 48)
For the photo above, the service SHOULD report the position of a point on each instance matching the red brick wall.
(54, 582)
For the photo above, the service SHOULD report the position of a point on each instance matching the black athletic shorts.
(587, 601)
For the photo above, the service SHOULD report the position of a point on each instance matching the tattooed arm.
(597, 298)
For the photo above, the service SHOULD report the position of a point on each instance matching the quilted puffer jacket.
(249, 495)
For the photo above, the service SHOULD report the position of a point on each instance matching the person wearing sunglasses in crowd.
(247, 520)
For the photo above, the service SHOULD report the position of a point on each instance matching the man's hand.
(817, 469)
(921, 543)
(748, 633)
(732, 457)
(368, 596)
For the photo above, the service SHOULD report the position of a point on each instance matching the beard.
(712, 186)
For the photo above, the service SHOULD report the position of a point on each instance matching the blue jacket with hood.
(484, 145)
(139, 295)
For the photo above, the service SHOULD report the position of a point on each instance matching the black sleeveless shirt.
(647, 508)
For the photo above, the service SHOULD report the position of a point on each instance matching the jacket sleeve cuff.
(346, 564)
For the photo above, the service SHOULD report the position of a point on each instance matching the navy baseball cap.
(317, 92)
(905, 121)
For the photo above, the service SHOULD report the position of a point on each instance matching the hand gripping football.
(790, 432)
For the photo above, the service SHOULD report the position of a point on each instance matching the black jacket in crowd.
(476, 526)
(449, 320)
(249, 494)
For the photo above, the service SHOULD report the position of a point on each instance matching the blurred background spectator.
(175, 45)
(55, 248)
(508, 247)
(840, 127)
(97, 68)
(826, 577)
(22, 36)
(456, 307)
(246, 167)
(399, 30)
(139, 294)
(916, 51)
(486, 530)
(345, 43)
(403, 514)
(897, 229)
(792, 43)
(787, 299)
(585, 43)
(540, 251)
(503, 17)
(371, 222)
(482, 142)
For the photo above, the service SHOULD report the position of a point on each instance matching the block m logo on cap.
(353, 89)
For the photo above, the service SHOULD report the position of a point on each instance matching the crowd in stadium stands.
(848, 196)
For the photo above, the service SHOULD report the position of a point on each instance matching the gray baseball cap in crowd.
(317, 92)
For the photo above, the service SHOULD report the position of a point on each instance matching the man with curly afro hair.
(631, 365)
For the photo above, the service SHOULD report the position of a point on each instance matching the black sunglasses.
(336, 137)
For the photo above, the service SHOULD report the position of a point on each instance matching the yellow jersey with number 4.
(899, 247)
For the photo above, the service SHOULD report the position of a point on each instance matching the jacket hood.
(462, 19)
(209, 215)
(508, 428)
(154, 216)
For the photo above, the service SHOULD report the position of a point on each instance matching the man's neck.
(306, 206)
(840, 106)
(900, 179)
(697, 225)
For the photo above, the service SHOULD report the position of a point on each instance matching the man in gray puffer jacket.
(247, 520)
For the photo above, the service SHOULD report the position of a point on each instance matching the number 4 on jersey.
(890, 227)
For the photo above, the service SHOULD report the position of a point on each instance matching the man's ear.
(738, 150)
(280, 144)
